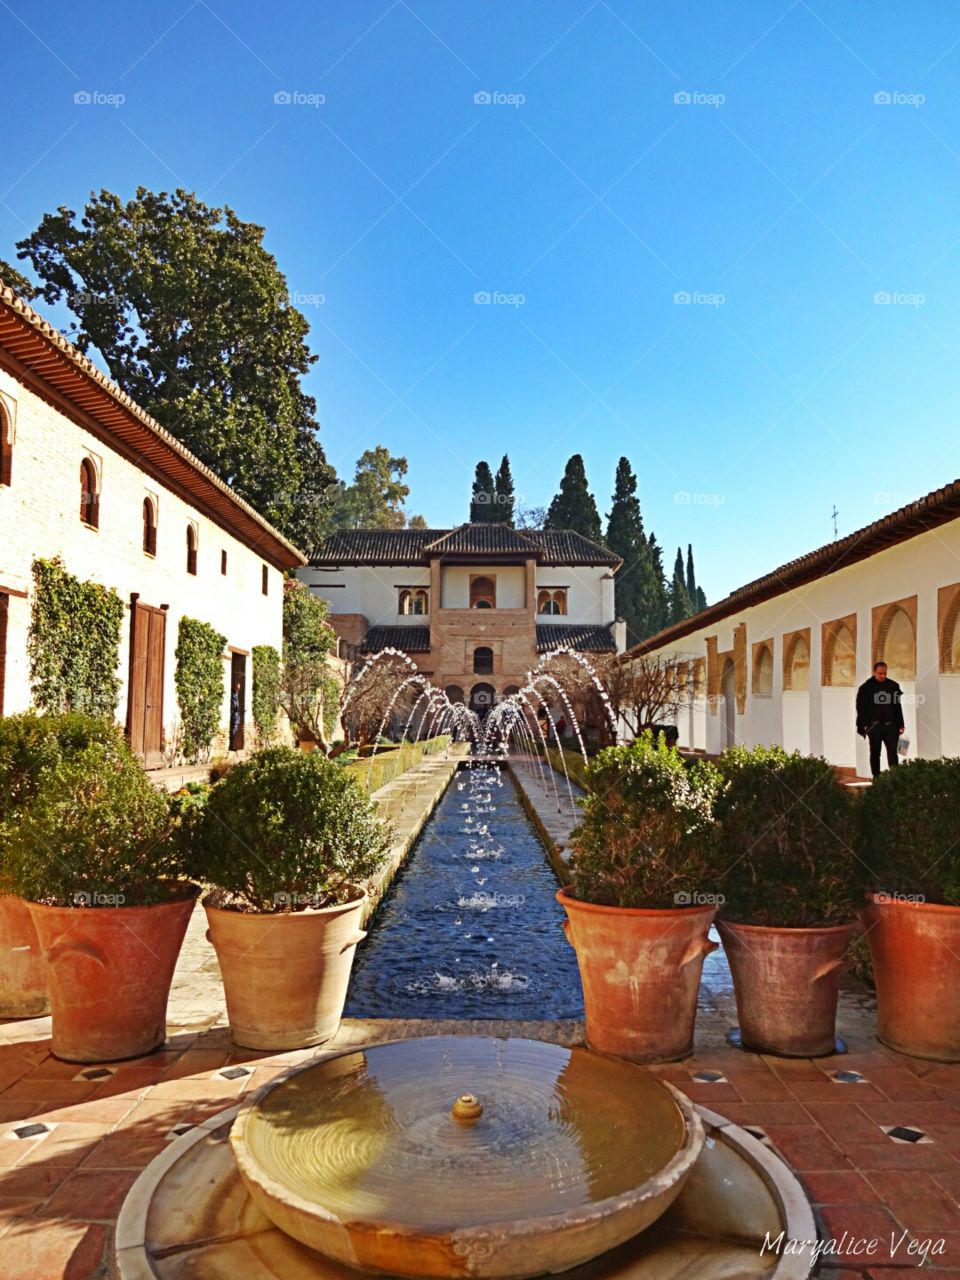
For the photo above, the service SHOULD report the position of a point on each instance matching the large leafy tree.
(574, 506)
(504, 493)
(376, 497)
(191, 314)
(17, 281)
(483, 495)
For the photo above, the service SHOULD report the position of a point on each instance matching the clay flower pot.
(23, 980)
(915, 948)
(640, 971)
(787, 983)
(109, 970)
(285, 975)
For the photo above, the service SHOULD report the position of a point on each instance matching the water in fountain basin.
(470, 927)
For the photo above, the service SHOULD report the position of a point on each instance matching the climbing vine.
(266, 691)
(74, 642)
(199, 681)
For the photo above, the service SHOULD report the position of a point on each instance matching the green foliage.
(74, 642)
(574, 506)
(331, 690)
(635, 586)
(505, 500)
(483, 495)
(266, 691)
(909, 838)
(785, 833)
(95, 833)
(193, 319)
(644, 840)
(305, 676)
(31, 747)
(681, 606)
(376, 497)
(375, 771)
(287, 830)
(17, 281)
(199, 681)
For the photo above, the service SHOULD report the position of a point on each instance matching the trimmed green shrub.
(199, 678)
(785, 831)
(74, 642)
(287, 830)
(95, 833)
(644, 840)
(266, 691)
(32, 743)
(909, 838)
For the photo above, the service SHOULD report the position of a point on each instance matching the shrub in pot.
(31, 744)
(909, 842)
(639, 903)
(92, 855)
(786, 833)
(287, 839)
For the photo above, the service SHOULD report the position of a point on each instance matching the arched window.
(191, 550)
(483, 593)
(897, 644)
(454, 693)
(763, 670)
(89, 497)
(403, 606)
(483, 661)
(149, 527)
(6, 447)
(840, 655)
(796, 665)
(950, 637)
(552, 602)
(421, 603)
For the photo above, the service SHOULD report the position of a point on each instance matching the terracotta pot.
(787, 983)
(640, 971)
(285, 975)
(23, 979)
(109, 971)
(915, 948)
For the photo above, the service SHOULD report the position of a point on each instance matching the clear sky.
(782, 197)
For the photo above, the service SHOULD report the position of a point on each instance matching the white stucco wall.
(823, 720)
(589, 592)
(39, 517)
(373, 591)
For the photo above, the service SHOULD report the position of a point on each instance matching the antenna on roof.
(834, 513)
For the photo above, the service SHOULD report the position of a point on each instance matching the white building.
(89, 477)
(474, 607)
(779, 660)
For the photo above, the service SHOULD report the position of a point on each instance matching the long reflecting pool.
(470, 927)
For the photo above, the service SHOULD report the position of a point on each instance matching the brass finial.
(467, 1108)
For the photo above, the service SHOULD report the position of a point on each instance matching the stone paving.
(877, 1146)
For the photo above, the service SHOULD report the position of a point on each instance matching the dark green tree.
(574, 506)
(504, 494)
(691, 577)
(681, 605)
(482, 499)
(17, 281)
(658, 607)
(635, 586)
(701, 601)
(376, 497)
(192, 317)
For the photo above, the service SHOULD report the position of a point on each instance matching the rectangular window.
(223, 563)
(265, 580)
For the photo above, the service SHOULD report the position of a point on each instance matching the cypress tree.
(634, 584)
(701, 600)
(483, 495)
(574, 506)
(656, 609)
(691, 576)
(505, 500)
(681, 605)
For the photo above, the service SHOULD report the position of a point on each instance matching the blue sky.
(782, 197)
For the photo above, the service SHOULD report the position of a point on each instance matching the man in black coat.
(880, 716)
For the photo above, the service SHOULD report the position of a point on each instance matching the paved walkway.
(73, 1139)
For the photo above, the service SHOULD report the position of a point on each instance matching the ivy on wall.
(74, 642)
(266, 691)
(199, 679)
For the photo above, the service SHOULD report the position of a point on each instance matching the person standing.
(880, 716)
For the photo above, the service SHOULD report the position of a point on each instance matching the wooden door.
(148, 628)
(238, 699)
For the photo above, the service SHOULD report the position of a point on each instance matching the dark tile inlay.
(234, 1073)
(31, 1130)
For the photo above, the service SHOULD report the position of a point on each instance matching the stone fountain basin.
(359, 1156)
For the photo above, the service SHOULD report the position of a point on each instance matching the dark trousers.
(883, 735)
